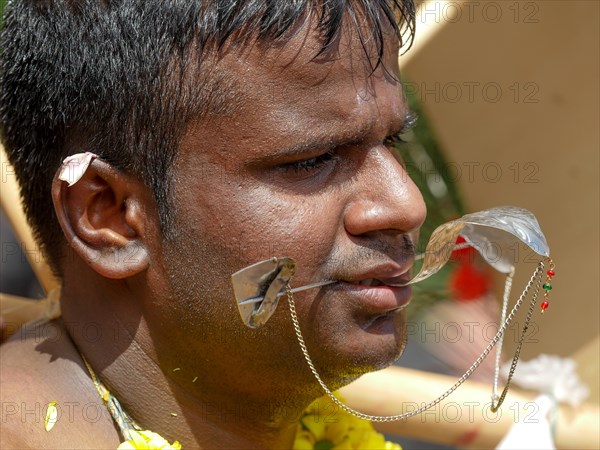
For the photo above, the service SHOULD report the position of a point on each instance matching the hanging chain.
(494, 407)
(460, 381)
(505, 299)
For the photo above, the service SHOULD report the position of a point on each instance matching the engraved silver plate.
(257, 288)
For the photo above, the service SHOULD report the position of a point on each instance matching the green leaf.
(324, 445)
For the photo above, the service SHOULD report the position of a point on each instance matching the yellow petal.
(336, 432)
(148, 440)
(51, 415)
(371, 441)
(345, 444)
(319, 406)
(315, 425)
(303, 443)
(138, 440)
(158, 442)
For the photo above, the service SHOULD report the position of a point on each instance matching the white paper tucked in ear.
(74, 166)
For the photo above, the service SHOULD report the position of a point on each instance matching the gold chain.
(535, 277)
(124, 421)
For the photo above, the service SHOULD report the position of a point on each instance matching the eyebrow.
(330, 142)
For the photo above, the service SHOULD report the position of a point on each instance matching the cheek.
(258, 223)
(234, 223)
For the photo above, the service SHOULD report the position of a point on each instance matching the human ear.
(103, 218)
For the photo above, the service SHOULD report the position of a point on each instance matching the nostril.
(404, 213)
(382, 197)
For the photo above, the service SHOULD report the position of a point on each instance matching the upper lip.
(389, 274)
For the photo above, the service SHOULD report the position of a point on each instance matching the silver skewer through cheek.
(259, 299)
(259, 287)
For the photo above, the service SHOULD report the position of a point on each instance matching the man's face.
(301, 169)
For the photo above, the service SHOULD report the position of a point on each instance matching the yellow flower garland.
(148, 440)
(325, 426)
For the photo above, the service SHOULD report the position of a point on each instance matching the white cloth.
(532, 431)
(552, 375)
(558, 382)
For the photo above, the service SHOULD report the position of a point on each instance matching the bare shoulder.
(40, 365)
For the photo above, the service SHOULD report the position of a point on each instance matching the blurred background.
(509, 94)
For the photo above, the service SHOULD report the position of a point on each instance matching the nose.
(384, 198)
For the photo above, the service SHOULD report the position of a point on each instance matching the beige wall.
(536, 144)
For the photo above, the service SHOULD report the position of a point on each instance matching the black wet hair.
(123, 78)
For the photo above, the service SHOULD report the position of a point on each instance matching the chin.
(385, 340)
(364, 348)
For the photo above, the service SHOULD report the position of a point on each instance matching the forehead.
(293, 92)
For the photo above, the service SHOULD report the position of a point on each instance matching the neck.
(121, 353)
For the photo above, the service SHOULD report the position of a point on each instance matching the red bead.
(544, 305)
(550, 273)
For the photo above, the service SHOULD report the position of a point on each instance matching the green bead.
(547, 286)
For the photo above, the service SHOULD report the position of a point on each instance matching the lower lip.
(377, 300)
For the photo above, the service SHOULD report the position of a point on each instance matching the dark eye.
(394, 140)
(309, 164)
(395, 143)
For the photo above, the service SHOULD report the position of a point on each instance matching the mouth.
(390, 282)
(370, 282)
(377, 296)
(375, 304)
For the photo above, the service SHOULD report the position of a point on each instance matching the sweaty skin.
(299, 168)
